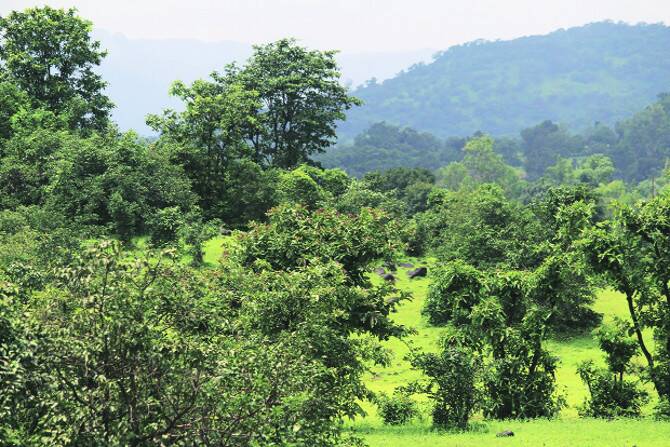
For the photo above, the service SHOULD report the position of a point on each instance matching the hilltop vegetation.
(600, 72)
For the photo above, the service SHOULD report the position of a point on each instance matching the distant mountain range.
(600, 72)
(140, 71)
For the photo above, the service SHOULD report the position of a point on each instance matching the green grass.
(567, 430)
(214, 249)
(538, 433)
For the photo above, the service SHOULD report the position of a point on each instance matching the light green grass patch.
(568, 430)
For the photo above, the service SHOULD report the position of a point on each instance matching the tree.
(644, 139)
(411, 185)
(207, 138)
(50, 55)
(114, 181)
(383, 146)
(592, 171)
(12, 99)
(329, 323)
(302, 100)
(126, 351)
(358, 197)
(632, 252)
(543, 144)
(294, 237)
(481, 165)
(482, 227)
(504, 316)
(454, 376)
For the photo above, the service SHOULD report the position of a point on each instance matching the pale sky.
(352, 25)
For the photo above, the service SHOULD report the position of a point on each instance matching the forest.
(600, 72)
(216, 285)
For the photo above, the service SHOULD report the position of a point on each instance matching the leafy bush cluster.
(611, 395)
(453, 385)
(396, 409)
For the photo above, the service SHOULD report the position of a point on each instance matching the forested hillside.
(598, 72)
(638, 146)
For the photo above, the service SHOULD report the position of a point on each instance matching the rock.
(380, 271)
(416, 273)
(389, 277)
(505, 434)
(406, 265)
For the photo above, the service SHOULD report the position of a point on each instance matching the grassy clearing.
(566, 431)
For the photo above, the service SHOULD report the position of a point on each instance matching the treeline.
(106, 341)
(634, 146)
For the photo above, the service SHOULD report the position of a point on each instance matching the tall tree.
(302, 100)
(208, 136)
(50, 54)
(543, 144)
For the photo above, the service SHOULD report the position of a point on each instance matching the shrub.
(520, 380)
(164, 226)
(611, 395)
(608, 396)
(396, 409)
(453, 377)
(456, 288)
(662, 410)
(298, 187)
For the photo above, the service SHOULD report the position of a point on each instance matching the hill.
(598, 72)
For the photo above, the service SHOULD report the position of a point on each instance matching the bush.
(358, 197)
(298, 187)
(456, 289)
(453, 377)
(609, 396)
(164, 226)
(662, 410)
(413, 238)
(396, 409)
(522, 384)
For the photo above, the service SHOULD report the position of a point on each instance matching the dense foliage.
(634, 149)
(115, 328)
(599, 72)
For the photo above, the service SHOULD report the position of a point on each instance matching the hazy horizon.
(353, 26)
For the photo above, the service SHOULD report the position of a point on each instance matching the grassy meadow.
(567, 430)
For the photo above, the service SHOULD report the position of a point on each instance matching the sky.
(352, 25)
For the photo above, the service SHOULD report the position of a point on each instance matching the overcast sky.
(352, 25)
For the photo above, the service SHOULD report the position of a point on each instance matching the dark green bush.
(611, 395)
(662, 410)
(396, 409)
(164, 226)
(452, 386)
(608, 395)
